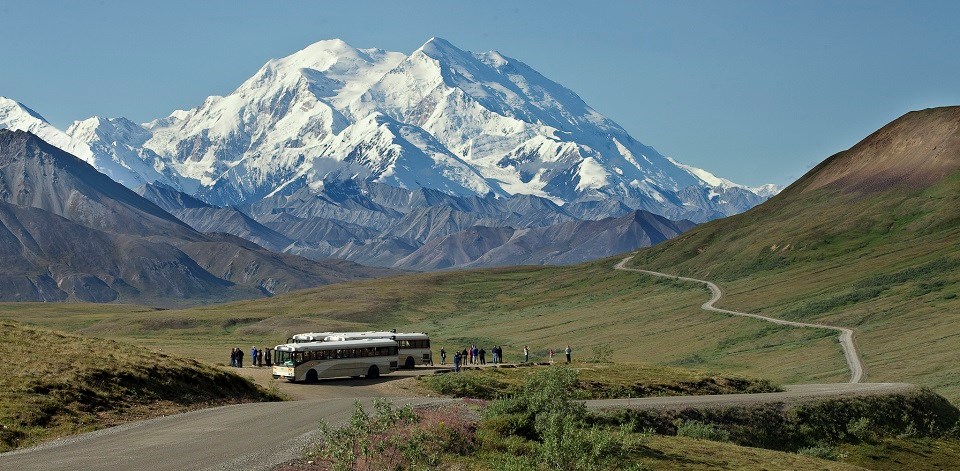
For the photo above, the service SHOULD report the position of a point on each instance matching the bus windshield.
(282, 358)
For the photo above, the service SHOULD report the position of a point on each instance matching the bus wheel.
(409, 364)
(312, 376)
(373, 372)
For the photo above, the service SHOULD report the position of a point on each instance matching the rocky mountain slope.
(563, 243)
(71, 233)
(376, 224)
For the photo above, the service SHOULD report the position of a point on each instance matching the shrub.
(823, 452)
(601, 354)
(465, 384)
(921, 414)
(547, 423)
(702, 431)
(395, 438)
(861, 430)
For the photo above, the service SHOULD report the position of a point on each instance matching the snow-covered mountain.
(440, 118)
(112, 146)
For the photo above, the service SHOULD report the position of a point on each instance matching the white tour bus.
(311, 361)
(414, 346)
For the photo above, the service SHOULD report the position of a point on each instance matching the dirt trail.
(857, 373)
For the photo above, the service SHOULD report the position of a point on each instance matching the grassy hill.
(54, 384)
(869, 239)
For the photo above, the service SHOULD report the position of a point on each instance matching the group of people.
(478, 356)
(258, 357)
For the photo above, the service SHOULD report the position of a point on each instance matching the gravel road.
(793, 394)
(857, 372)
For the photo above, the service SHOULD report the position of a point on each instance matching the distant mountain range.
(376, 224)
(71, 233)
(437, 159)
(440, 118)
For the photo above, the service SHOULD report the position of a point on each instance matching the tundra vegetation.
(542, 425)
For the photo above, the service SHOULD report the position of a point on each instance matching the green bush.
(823, 452)
(464, 384)
(395, 438)
(702, 431)
(601, 354)
(862, 430)
(547, 424)
(920, 413)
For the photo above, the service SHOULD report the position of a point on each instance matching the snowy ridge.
(712, 180)
(440, 118)
(109, 145)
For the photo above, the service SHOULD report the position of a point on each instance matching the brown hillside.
(916, 150)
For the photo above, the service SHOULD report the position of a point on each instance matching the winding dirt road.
(857, 373)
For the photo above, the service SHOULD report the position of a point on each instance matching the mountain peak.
(9, 107)
(438, 48)
(320, 55)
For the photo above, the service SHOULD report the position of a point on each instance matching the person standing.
(233, 357)
(476, 355)
(239, 357)
(443, 356)
(253, 356)
(526, 354)
(551, 356)
(260, 357)
(495, 353)
(463, 356)
(483, 356)
(569, 352)
(456, 362)
(267, 358)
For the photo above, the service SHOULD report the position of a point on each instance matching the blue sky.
(755, 92)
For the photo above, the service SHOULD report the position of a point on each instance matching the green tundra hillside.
(868, 239)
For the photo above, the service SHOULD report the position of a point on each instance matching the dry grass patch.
(54, 384)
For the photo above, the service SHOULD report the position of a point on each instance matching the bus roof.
(313, 336)
(333, 336)
(336, 344)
